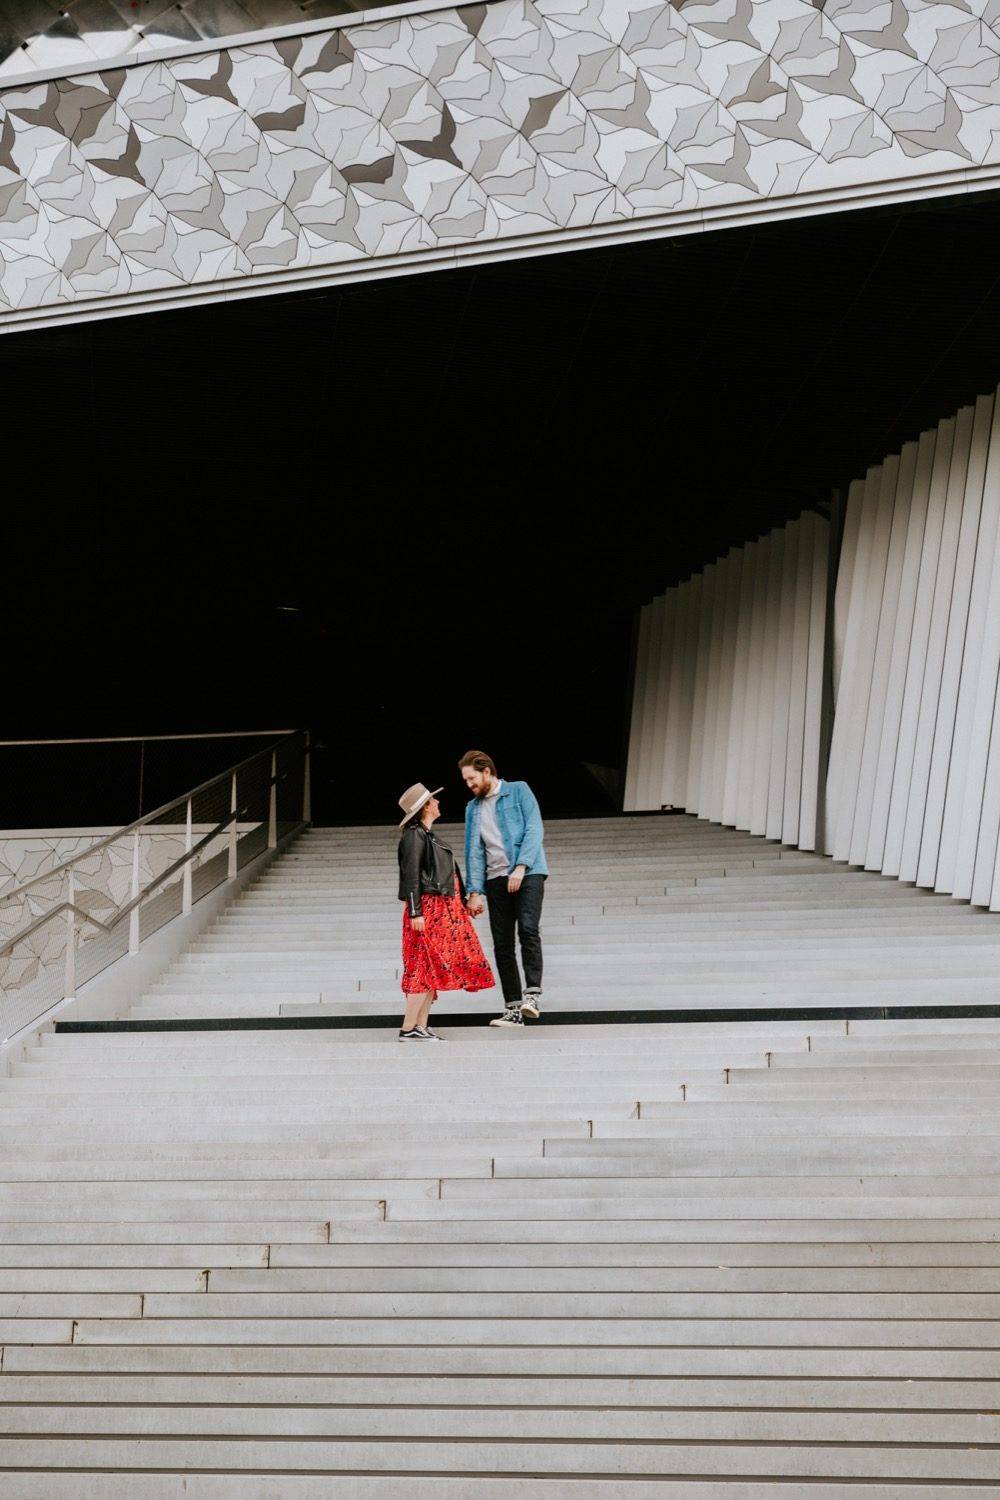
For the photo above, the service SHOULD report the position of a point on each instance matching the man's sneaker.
(530, 1005)
(510, 1017)
(430, 1035)
(413, 1035)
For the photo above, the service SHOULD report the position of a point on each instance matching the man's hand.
(514, 879)
(475, 904)
(418, 924)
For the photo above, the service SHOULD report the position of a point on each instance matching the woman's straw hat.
(414, 798)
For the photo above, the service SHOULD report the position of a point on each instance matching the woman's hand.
(475, 905)
(417, 924)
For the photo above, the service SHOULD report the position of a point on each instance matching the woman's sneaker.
(510, 1017)
(413, 1035)
(530, 1005)
(430, 1035)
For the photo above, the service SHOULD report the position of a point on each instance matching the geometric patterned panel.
(429, 134)
(26, 856)
(42, 35)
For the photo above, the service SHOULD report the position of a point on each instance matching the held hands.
(475, 901)
(417, 924)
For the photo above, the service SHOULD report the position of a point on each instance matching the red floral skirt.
(447, 955)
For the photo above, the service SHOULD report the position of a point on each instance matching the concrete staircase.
(707, 1259)
(640, 913)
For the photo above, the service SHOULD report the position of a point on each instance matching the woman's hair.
(415, 818)
(479, 760)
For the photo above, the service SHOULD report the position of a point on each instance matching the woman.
(440, 948)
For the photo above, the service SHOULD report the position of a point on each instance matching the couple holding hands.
(505, 863)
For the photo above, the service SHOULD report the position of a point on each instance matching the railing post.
(231, 873)
(186, 882)
(306, 783)
(133, 921)
(272, 804)
(69, 984)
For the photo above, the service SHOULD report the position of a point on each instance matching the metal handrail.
(161, 879)
(261, 816)
(153, 739)
(255, 804)
(120, 833)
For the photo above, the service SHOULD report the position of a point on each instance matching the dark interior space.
(417, 514)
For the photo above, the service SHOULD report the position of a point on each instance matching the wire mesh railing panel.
(104, 949)
(161, 908)
(208, 809)
(253, 801)
(25, 857)
(250, 845)
(40, 950)
(21, 1005)
(207, 876)
(133, 883)
(21, 908)
(290, 759)
(102, 878)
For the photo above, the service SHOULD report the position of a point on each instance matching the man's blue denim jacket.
(520, 823)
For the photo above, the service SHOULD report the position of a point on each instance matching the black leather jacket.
(426, 868)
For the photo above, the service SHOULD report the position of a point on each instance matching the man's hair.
(479, 760)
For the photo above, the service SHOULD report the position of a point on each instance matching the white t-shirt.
(497, 863)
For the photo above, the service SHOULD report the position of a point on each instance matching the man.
(505, 861)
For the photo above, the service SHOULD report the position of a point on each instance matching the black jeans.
(520, 911)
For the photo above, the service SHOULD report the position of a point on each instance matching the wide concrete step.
(146, 1257)
(491, 1457)
(452, 1304)
(105, 1485)
(68, 1281)
(888, 1083)
(173, 1231)
(43, 1064)
(634, 1248)
(22, 1197)
(113, 1209)
(375, 877)
(695, 1205)
(661, 1036)
(399, 1104)
(126, 1168)
(827, 895)
(467, 1282)
(637, 1363)
(403, 1068)
(767, 1227)
(686, 1056)
(363, 927)
(593, 1392)
(352, 1140)
(560, 1184)
(708, 1255)
(537, 1280)
(229, 995)
(812, 1153)
(725, 1331)
(499, 1423)
(660, 1039)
